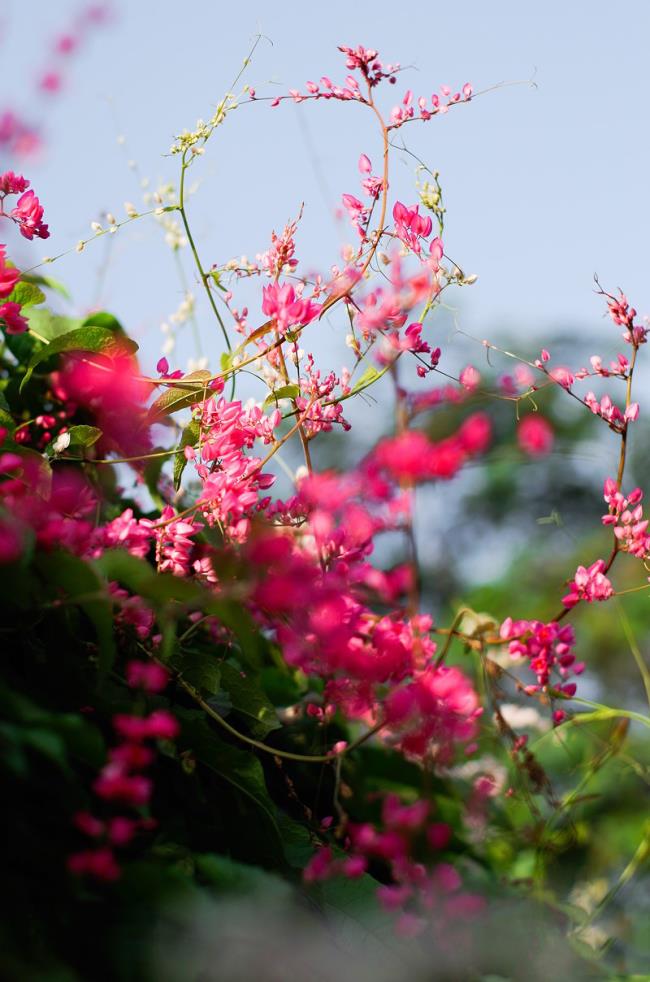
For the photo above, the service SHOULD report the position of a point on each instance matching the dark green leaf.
(240, 768)
(233, 877)
(80, 583)
(248, 699)
(189, 437)
(101, 318)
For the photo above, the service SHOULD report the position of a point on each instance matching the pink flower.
(410, 226)
(547, 646)
(589, 584)
(470, 378)
(51, 82)
(149, 676)
(28, 214)
(15, 323)
(9, 275)
(535, 435)
(287, 308)
(113, 784)
(97, 863)
(11, 183)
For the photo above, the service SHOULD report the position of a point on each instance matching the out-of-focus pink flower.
(97, 863)
(149, 676)
(11, 183)
(51, 82)
(535, 435)
(10, 313)
(9, 275)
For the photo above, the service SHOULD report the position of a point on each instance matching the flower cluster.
(417, 893)
(27, 213)
(549, 649)
(626, 516)
(123, 782)
(612, 414)
(302, 574)
(589, 584)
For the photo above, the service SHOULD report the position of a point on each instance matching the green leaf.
(95, 339)
(358, 919)
(84, 436)
(161, 589)
(232, 877)
(120, 565)
(189, 437)
(235, 617)
(186, 392)
(49, 282)
(284, 392)
(80, 583)
(101, 318)
(370, 375)
(48, 326)
(239, 768)
(26, 294)
(249, 701)
(6, 419)
(200, 668)
(81, 437)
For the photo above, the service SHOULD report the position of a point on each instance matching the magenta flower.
(28, 214)
(14, 322)
(9, 275)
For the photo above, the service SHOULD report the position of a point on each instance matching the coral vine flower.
(15, 323)
(286, 307)
(28, 214)
(535, 435)
(9, 275)
(410, 226)
(589, 584)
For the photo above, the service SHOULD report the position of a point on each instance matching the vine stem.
(259, 745)
(197, 259)
(451, 633)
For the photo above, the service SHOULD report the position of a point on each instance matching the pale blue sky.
(544, 186)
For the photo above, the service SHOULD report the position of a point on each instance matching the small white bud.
(61, 443)
(96, 227)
